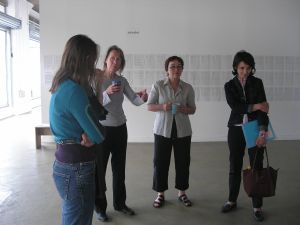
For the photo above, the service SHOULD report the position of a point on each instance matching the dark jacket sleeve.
(262, 117)
(235, 99)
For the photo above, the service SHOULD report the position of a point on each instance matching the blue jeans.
(75, 184)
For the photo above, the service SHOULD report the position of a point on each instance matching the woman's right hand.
(113, 89)
(167, 107)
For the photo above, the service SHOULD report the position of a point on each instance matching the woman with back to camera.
(74, 130)
(246, 97)
(113, 89)
(172, 100)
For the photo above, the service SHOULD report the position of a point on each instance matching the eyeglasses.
(173, 67)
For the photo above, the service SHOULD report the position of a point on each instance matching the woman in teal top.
(74, 130)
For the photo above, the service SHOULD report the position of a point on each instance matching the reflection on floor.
(28, 196)
(4, 194)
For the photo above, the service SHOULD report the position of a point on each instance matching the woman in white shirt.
(172, 100)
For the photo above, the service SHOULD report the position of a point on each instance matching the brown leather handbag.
(260, 183)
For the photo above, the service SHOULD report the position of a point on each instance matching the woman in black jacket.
(246, 97)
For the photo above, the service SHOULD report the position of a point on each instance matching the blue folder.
(251, 132)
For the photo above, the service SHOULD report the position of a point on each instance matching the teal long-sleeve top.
(69, 114)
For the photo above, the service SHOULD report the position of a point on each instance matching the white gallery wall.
(206, 33)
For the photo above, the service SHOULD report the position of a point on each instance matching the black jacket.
(240, 103)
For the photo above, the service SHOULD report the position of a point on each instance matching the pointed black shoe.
(258, 215)
(126, 210)
(227, 207)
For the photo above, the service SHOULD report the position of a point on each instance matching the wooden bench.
(40, 130)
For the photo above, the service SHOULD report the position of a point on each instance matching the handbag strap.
(265, 151)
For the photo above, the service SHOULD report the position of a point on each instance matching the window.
(15, 92)
(34, 68)
(4, 82)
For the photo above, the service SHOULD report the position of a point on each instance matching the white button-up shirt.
(162, 93)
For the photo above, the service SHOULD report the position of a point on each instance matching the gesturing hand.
(143, 95)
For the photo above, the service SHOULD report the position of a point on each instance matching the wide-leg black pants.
(162, 156)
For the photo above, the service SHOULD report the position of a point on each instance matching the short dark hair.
(171, 59)
(247, 58)
(118, 49)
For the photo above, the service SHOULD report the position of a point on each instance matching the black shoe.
(227, 207)
(258, 215)
(126, 210)
(102, 216)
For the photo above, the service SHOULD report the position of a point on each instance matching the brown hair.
(171, 59)
(115, 48)
(78, 62)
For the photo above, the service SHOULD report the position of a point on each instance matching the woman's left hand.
(86, 142)
(143, 95)
(261, 141)
(183, 109)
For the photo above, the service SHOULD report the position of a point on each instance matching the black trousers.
(115, 144)
(162, 156)
(100, 184)
(237, 144)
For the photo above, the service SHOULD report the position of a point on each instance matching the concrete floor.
(28, 195)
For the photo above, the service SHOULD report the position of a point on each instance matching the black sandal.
(159, 201)
(184, 199)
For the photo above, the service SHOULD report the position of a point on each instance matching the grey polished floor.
(28, 196)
